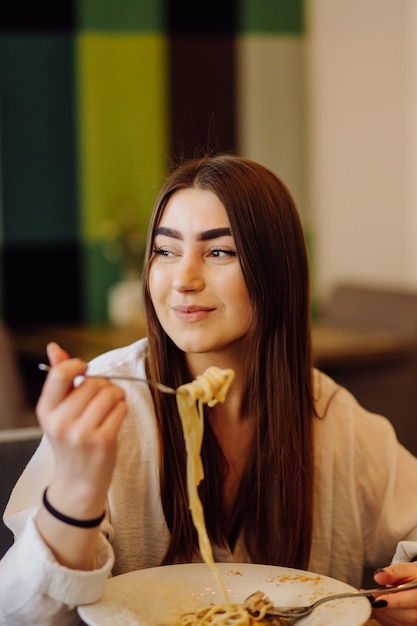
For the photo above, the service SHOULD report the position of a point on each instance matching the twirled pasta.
(234, 615)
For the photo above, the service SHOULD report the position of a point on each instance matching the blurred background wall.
(100, 97)
(361, 73)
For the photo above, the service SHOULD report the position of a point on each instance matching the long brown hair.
(274, 503)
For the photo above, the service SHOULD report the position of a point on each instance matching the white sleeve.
(406, 551)
(35, 589)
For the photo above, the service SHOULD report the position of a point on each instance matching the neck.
(233, 358)
(232, 409)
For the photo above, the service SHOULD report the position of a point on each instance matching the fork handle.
(383, 591)
(164, 388)
(379, 591)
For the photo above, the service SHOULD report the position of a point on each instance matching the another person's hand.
(401, 607)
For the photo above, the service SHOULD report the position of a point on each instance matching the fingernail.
(381, 569)
(379, 604)
(51, 348)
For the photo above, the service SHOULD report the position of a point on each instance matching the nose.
(188, 275)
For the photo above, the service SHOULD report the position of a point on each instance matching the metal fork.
(164, 388)
(297, 612)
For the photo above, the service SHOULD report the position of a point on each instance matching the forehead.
(194, 207)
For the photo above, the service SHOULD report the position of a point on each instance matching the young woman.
(296, 472)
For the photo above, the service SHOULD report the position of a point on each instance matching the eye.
(221, 252)
(164, 252)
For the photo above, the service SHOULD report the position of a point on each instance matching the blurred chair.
(15, 410)
(372, 308)
(389, 387)
(19, 434)
(16, 448)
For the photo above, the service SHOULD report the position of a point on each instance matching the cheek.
(157, 282)
(239, 294)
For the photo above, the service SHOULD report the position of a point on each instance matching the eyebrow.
(206, 235)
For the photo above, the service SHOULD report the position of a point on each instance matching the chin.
(194, 346)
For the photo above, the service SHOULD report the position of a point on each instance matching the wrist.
(69, 520)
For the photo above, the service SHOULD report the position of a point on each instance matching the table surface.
(332, 347)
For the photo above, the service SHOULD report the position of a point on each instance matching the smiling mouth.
(192, 313)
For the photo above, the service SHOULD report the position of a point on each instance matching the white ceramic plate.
(158, 596)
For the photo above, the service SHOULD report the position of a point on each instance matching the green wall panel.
(123, 127)
(271, 16)
(37, 131)
(99, 275)
(123, 123)
(120, 15)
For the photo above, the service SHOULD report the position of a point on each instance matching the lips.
(192, 313)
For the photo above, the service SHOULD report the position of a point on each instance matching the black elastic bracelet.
(81, 523)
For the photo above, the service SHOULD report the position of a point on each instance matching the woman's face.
(195, 280)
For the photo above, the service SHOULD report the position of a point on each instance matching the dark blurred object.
(15, 408)
(38, 17)
(19, 433)
(42, 284)
(386, 387)
(16, 448)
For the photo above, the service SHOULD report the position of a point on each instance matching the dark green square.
(38, 138)
(272, 16)
(120, 15)
(99, 275)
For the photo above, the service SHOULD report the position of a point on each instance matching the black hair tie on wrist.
(81, 523)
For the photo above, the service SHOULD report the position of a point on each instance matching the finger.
(55, 353)
(72, 406)
(107, 430)
(395, 617)
(400, 600)
(89, 455)
(396, 574)
(111, 426)
(59, 383)
(92, 403)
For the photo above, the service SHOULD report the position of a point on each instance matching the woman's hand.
(81, 423)
(401, 607)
